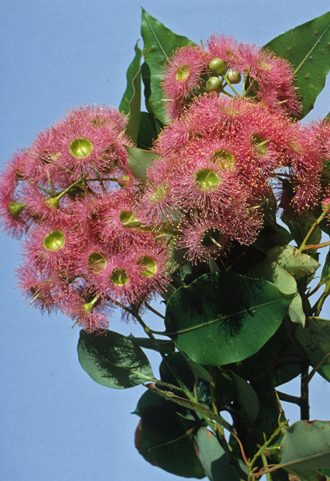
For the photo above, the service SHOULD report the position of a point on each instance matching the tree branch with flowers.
(214, 201)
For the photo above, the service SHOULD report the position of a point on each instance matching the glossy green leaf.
(223, 318)
(139, 161)
(326, 268)
(178, 366)
(131, 101)
(213, 457)
(113, 360)
(159, 44)
(247, 398)
(149, 399)
(307, 47)
(166, 440)
(299, 225)
(315, 340)
(305, 449)
(147, 131)
(295, 262)
(285, 282)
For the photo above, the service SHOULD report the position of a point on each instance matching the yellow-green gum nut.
(119, 277)
(233, 76)
(217, 66)
(207, 180)
(148, 266)
(96, 262)
(81, 147)
(128, 219)
(213, 84)
(52, 202)
(54, 241)
(15, 208)
(182, 73)
(89, 306)
(224, 159)
(260, 144)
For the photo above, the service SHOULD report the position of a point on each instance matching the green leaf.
(150, 399)
(223, 318)
(247, 398)
(159, 345)
(166, 440)
(326, 268)
(285, 282)
(213, 457)
(139, 161)
(147, 131)
(305, 449)
(178, 366)
(315, 340)
(307, 47)
(299, 225)
(130, 103)
(298, 264)
(113, 360)
(159, 44)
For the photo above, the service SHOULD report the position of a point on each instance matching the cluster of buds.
(97, 237)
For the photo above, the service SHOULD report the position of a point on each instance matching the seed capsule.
(217, 66)
(233, 76)
(213, 84)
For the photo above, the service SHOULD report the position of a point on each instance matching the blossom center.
(182, 73)
(207, 180)
(119, 277)
(128, 219)
(54, 241)
(96, 262)
(148, 266)
(212, 238)
(159, 193)
(260, 144)
(224, 159)
(81, 147)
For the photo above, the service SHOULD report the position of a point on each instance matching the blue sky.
(57, 424)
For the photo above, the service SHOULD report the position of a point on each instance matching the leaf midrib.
(156, 38)
(223, 317)
(311, 50)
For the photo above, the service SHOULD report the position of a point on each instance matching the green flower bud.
(217, 66)
(52, 202)
(89, 306)
(233, 76)
(213, 84)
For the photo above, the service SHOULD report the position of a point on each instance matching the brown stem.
(304, 393)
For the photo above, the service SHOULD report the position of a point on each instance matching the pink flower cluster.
(97, 237)
(72, 193)
(266, 78)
